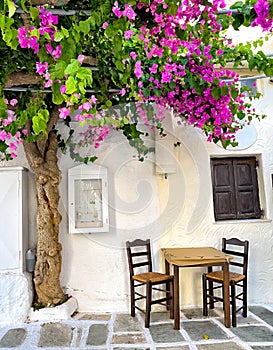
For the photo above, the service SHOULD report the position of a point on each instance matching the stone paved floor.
(119, 331)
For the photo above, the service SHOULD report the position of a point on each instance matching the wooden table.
(194, 257)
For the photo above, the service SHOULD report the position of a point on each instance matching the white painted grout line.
(110, 331)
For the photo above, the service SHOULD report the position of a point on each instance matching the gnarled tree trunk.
(43, 161)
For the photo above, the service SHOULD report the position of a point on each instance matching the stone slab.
(126, 323)
(219, 346)
(97, 335)
(13, 338)
(263, 313)
(55, 334)
(198, 313)
(128, 338)
(254, 333)
(197, 330)
(164, 333)
(93, 317)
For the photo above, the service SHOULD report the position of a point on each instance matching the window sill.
(246, 221)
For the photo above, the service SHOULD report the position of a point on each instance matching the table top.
(195, 256)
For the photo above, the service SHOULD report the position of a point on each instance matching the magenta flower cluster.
(11, 139)
(263, 18)
(174, 84)
(28, 38)
(173, 67)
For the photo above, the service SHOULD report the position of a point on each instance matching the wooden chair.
(141, 274)
(237, 279)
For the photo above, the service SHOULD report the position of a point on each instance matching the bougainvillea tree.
(89, 60)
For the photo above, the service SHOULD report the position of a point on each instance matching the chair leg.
(172, 301)
(205, 301)
(244, 298)
(211, 300)
(132, 291)
(148, 304)
(168, 291)
(233, 305)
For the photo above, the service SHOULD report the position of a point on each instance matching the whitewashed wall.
(173, 212)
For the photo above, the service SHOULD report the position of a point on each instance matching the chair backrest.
(239, 250)
(139, 256)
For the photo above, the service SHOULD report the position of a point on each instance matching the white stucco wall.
(173, 212)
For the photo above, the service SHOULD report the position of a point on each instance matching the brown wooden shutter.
(246, 188)
(235, 188)
(223, 189)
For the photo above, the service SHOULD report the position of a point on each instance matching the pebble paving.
(119, 331)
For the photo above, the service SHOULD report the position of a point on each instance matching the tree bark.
(50, 2)
(42, 158)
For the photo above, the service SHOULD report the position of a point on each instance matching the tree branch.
(22, 78)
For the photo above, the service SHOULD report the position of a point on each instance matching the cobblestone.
(117, 331)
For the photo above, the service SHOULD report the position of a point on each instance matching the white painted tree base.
(60, 312)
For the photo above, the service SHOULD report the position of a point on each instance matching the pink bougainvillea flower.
(64, 112)
(86, 106)
(138, 69)
(128, 34)
(81, 58)
(153, 69)
(105, 25)
(133, 55)
(93, 99)
(122, 92)
(79, 118)
(41, 67)
(63, 89)
(12, 146)
(57, 52)
(116, 10)
(129, 12)
(13, 102)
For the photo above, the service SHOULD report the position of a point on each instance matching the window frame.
(235, 187)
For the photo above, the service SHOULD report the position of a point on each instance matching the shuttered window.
(235, 188)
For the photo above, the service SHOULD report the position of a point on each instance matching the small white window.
(88, 199)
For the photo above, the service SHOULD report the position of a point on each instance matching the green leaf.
(85, 26)
(110, 31)
(58, 36)
(58, 72)
(68, 49)
(108, 103)
(234, 92)
(73, 67)
(224, 90)
(119, 65)
(65, 32)
(82, 87)
(172, 85)
(34, 13)
(57, 97)
(216, 92)
(71, 85)
(11, 7)
(23, 2)
(39, 121)
(85, 74)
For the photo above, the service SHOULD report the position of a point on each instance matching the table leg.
(176, 298)
(167, 267)
(226, 294)
(167, 272)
